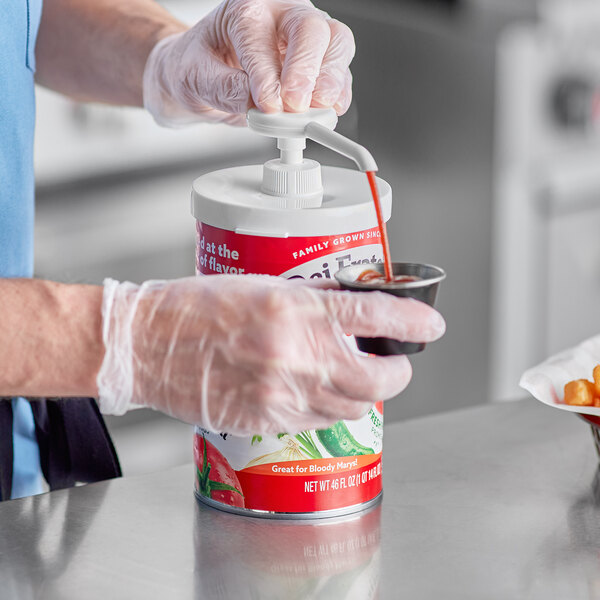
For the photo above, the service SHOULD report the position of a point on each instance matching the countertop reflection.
(271, 559)
(500, 501)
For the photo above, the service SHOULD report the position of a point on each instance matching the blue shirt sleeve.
(19, 23)
(27, 474)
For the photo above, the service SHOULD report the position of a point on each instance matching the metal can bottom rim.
(289, 516)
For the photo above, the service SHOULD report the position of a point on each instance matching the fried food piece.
(580, 392)
(596, 374)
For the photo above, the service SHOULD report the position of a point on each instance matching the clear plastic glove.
(252, 353)
(272, 54)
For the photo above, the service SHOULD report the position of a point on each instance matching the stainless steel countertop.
(499, 501)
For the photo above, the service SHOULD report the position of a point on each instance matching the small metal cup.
(425, 290)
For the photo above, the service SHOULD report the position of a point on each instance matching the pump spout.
(342, 145)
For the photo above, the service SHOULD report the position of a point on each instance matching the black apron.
(75, 446)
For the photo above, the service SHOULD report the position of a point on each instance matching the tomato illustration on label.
(216, 479)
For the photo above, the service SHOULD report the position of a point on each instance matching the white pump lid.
(232, 199)
(257, 200)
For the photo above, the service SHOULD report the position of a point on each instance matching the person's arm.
(50, 338)
(97, 50)
(208, 350)
(272, 54)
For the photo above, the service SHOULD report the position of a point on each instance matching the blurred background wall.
(481, 115)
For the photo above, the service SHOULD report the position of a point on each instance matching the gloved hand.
(272, 54)
(252, 353)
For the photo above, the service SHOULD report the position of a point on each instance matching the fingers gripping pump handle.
(292, 179)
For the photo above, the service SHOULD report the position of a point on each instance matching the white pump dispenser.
(292, 196)
(295, 179)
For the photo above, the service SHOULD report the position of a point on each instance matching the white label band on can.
(317, 472)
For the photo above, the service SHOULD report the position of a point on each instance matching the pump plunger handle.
(342, 145)
(291, 129)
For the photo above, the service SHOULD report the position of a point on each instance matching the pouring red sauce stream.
(387, 259)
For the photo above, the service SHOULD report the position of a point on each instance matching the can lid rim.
(230, 199)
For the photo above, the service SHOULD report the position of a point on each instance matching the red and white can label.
(220, 251)
(315, 470)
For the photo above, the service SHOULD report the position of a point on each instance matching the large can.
(241, 229)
